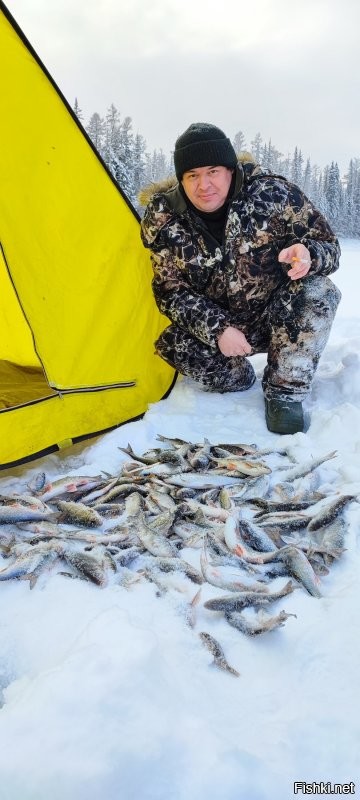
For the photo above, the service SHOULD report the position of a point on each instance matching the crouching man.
(241, 259)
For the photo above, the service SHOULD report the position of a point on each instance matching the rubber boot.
(286, 416)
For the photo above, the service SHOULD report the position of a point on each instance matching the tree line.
(133, 167)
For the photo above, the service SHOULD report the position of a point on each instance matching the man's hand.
(299, 257)
(233, 343)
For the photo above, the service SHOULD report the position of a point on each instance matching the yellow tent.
(77, 316)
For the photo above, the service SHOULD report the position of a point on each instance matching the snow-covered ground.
(107, 693)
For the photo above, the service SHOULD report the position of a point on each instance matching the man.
(241, 259)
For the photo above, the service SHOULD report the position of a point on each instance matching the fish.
(221, 577)
(88, 565)
(173, 442)
(163, 500)
(225, 450)
(216, 650)
(292, 520)
(140, 459)
(178, 565)
(190, 611)
(183, 493)
(241, 466)
(155, 543)
(28, 560)
(125, 557)
(69, 485)
(311, 547)
(300, 568)
(328, 514)
(79, 514)
(163, 456)
(238, 547)
(332, 535)
(43, 530)
(259, 623)
(109, 510)
(120, 490)
(251, 488)
(225, 499)
(161, 523)
(285, 491)
(203, 480)
(191, 534)
(255, 536)
(233, 602)
(120, 537)
(100, 492)
(37, 482)
(304, 469)
(222, 551)
(214, 512)
(200, 457)
(270, 506)
(21, 508)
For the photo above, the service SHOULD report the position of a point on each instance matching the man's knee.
(322, 291)
(202, 363)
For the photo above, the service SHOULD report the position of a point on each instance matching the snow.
(107, 693)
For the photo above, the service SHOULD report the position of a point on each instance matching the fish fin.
(221, 663)
(32, 577)
(126, 450)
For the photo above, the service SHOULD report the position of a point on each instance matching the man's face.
(207, 187)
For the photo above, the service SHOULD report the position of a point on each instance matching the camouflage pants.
(293, 329)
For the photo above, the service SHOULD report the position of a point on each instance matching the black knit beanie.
(202, 145)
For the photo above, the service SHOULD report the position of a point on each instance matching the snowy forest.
(126, 156)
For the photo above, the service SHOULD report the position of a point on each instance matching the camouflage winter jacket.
(204, 287)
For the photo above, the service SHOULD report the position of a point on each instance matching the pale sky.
(289, 70)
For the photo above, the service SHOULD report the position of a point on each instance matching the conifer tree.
(333, 194)
(297, 167)
(111, 145)
(256, 147)
(159, 165)
(124, 170)
(307, 178)
(139, 162)
(239, 142)
(133, 167)
(96, 129)
(78, 110)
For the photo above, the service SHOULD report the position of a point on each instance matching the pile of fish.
(249, 522)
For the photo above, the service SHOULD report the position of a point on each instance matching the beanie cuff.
(208, 153)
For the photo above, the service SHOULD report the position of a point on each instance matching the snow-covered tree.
(96, 131)
(78, 110)
(271, 157)
(333, 195)
(239, 142)
(124, 168)
(307, 178)
(112, 138)
(139, 162)
(297, 167)
(338, 198)
(160, 166)
(256, 147)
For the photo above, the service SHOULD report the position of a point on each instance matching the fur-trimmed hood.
(246, 162)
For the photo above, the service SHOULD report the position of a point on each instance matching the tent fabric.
(77, 312)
